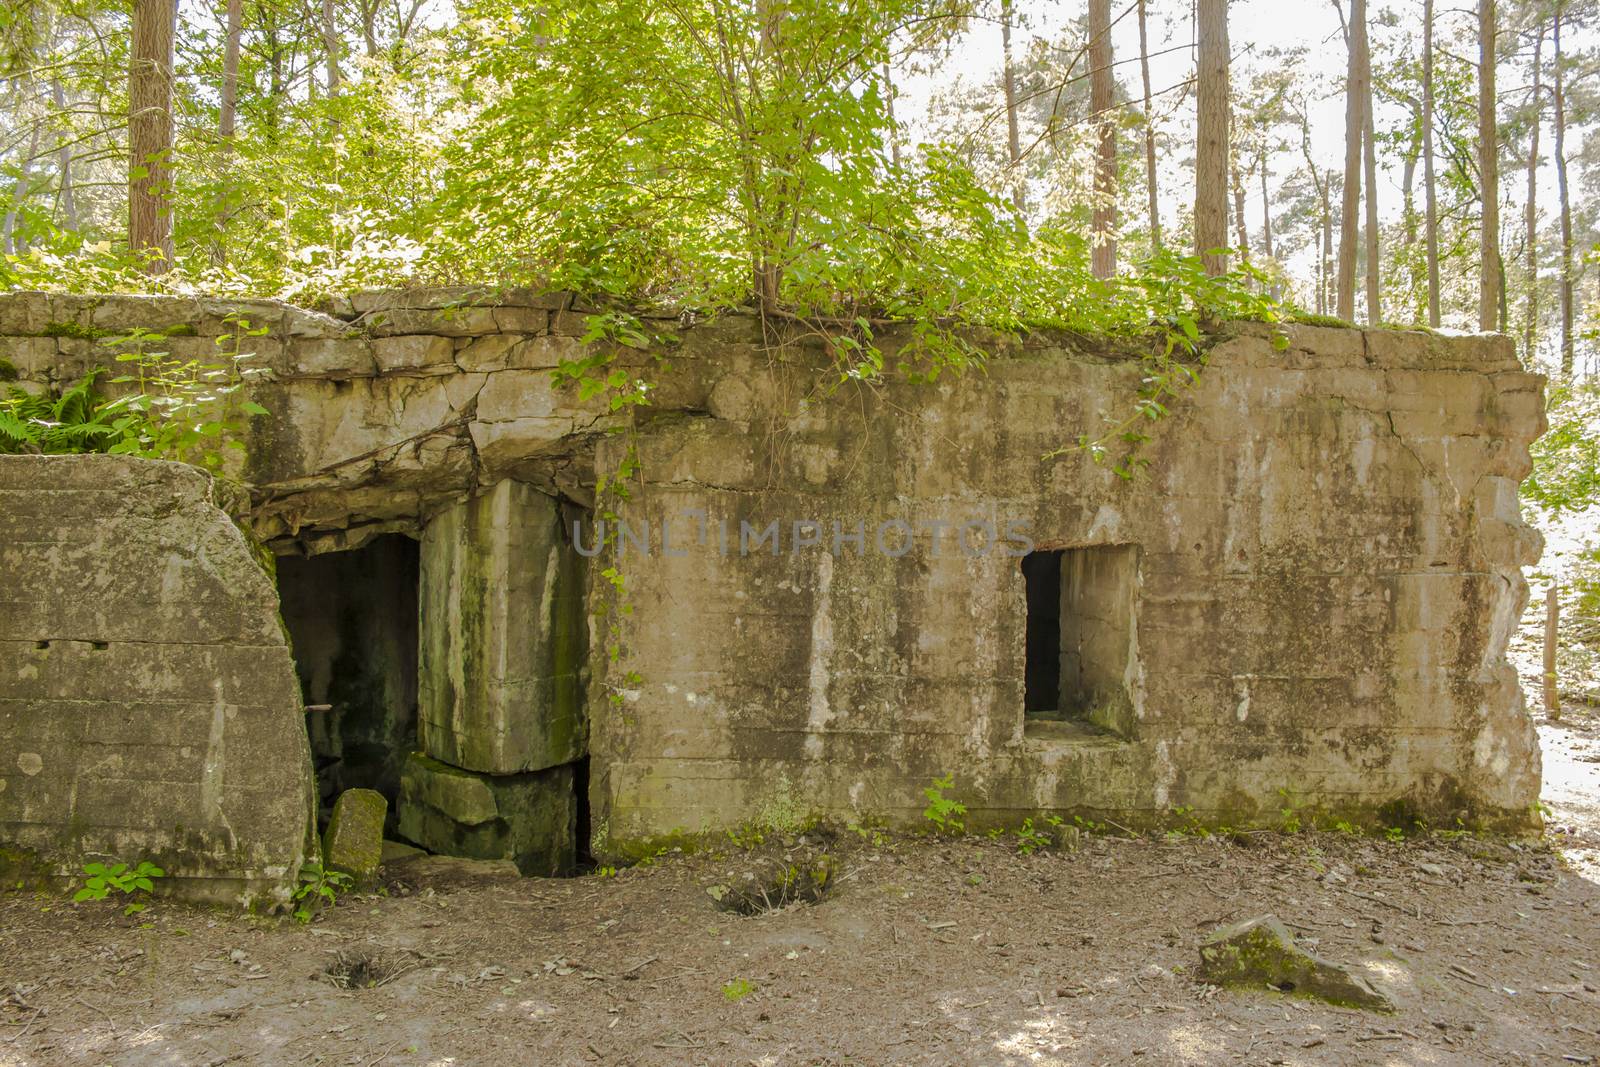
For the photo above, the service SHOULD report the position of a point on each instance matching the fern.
(76, 421)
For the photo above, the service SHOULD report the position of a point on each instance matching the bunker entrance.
(352, 621)
(1081, 636)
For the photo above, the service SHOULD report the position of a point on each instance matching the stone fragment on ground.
(353, 844)
(440, 872)
(1261, 953)
(398, 851)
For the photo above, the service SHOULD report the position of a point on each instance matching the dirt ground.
(929, 951)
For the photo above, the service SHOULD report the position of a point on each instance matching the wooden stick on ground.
(1552, 615)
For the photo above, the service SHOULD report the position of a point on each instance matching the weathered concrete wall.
(148, 703)
(1329, 547)
(1327, 540)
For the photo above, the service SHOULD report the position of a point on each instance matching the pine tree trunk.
(1369, 150)
(1488, 172)
(1562, 195)
(1013, 133)
(67, 198)
(150, 131)
(1430, 222)
(1104, 254)
(1211, 151)
(1242, 229)
(1530, 327)
(230, 71)
(1356, 96)
(888, 101)
(330, 46)
(1149, 134)
(1327, 240)
(1266, 212)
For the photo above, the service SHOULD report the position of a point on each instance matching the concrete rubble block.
(1261, 952)
(182, 686)
(414, 352)
(336, 358)
(353, 844)
(24, 314)
(528, 819)
(444, 322)
(503, 635)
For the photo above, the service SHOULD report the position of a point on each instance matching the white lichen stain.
(1166, 775)
(1241, 693)
(821, 653)
(1107, 523)
(30, 763)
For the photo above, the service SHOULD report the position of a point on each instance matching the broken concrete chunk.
(1261, 952)
(354, 842)
(529, 819)
(399, 852)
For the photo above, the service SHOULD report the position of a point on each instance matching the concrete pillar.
(503, 632)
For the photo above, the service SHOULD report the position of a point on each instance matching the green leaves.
(1566, 460)
(101, 880)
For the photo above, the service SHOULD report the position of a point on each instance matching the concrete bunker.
(1311, 587)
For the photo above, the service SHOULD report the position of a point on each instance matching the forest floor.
(935, 952)
(929, 951)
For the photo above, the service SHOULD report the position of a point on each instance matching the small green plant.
(1030, 840)
(1290, 812)
(1344, 827)
(605, 872)
(944, 813)
(101, 880)
(737, 990)
(1088, 826)
(185, 409)
(1395, 834)
(1191, 827)
(319, 888)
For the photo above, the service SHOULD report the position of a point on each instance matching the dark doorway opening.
(352, 620)
(1082, 635)
(1042, 676)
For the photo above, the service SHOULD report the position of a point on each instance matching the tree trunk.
(19, 195)
(150, 132)
(888, 101)
(67, 198)
(1369, 149)
(330, 45)
(1149, 134)
(1211, 149)
(1355, 99)
(1327, 239)
(1013, 134)
(230, 71)
(1430, 221)
(1239, 224)
(1104, 254)
(1266, 211)
(1488, 173)
(1562, 195)
(1530, 328)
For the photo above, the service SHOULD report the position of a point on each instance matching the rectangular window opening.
(1081, 636)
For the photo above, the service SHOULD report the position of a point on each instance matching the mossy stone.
(1261, 952)
(354, 842)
